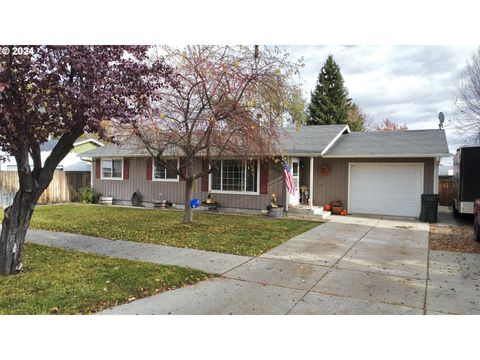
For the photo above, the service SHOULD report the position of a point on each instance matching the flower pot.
(105, 200)
(275, 212)
(161, 204)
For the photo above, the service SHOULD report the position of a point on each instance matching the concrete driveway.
(350, 265)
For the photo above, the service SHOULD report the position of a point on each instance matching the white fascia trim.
(436, 163)
(87, 141)
(335, 139)
(384, 156)
(294, 154)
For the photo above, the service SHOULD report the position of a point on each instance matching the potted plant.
(106, 200)
(160, 203)
(210, 204)
(274, 210)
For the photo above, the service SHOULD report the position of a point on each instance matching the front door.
(294, 199)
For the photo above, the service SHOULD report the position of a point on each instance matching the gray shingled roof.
(306, 140)
(48, 145)
(114, 150)
(314, 139)
(309, 139)
(413, 143)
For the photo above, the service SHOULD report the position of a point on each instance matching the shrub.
(88, 196)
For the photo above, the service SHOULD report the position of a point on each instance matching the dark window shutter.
(205, 176)
(264, 177)
(126, 169)
(97, 168)
(149, 169)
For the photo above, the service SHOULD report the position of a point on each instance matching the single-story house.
(71, 162)
(369, 172)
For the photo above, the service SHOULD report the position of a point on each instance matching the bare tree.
(357, 119)
(226, 100)
(388, 125)
(467, 122)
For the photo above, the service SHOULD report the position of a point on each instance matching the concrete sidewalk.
(211, 262)
(349, 265)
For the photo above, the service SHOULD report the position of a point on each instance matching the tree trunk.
(32, 184)
(14, 229)
(188, 213)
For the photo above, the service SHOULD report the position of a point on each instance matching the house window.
(112, 169)
(234, 176)
(165, 173)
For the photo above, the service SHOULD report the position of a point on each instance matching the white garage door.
(386, 188)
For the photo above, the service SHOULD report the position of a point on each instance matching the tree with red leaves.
(387, 125)
(63, 91)
(227, 101)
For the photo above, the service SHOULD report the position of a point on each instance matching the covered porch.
(303, 170)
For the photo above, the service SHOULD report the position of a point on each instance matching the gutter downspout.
(310, 199)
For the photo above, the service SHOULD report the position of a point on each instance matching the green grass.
(233, 234)
(56, 281)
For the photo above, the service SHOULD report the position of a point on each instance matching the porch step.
(305, 210)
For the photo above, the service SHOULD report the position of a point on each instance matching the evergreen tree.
(329, 103)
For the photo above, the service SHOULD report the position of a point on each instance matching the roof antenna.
(441, 118)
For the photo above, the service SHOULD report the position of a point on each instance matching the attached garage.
(385, 188)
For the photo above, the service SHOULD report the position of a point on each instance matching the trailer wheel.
(456, 213)
(476, 229)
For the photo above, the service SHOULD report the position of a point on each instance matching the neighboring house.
(445, 170)
(71, 162)
(369, 172)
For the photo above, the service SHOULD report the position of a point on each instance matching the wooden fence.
(446, 191)
(63, 187)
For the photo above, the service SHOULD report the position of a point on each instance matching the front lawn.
(234, 234)
(56, 281)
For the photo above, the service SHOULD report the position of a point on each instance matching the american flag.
(288, 177)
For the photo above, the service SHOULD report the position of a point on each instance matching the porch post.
(286, 192)
(310, 199)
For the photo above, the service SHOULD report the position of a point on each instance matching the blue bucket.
(194, 203)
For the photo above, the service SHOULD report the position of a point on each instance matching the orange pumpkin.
(328, 207)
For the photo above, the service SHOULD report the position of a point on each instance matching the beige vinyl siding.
(275, 186)
(335, 185)
(122, 190)
(325, 189)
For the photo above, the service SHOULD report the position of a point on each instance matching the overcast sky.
(407, 84)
